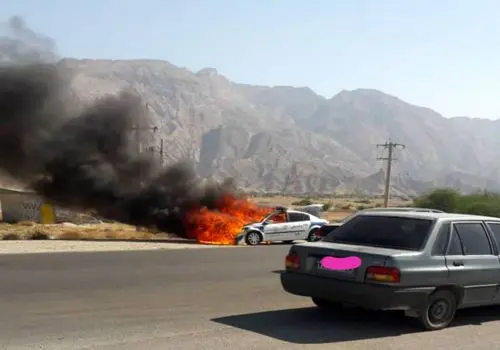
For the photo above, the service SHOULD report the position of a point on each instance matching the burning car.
(282, 224)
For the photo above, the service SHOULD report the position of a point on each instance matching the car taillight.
(292, 261)
(383, 274)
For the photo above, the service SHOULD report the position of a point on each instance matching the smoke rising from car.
(86, 161)
(20, 44)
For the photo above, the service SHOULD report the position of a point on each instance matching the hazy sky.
(442, 54)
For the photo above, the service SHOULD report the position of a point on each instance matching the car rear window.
(329, 228)
(383, 231)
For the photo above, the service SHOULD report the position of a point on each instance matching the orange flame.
(223, 225)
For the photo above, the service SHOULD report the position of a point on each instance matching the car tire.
(439, 310)
(326, 305)
(313, 237)
(253, 238)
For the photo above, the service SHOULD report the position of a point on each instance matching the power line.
(390, 146)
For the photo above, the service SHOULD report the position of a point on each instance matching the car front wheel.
(253, 238)
(439, 311)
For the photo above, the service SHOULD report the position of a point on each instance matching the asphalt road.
(194, 299)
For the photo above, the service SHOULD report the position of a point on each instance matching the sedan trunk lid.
(311, 255)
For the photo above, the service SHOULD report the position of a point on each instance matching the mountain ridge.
(293, 140)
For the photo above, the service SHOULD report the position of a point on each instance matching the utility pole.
(161, 152)
(390, 146)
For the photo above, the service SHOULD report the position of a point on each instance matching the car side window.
(456, 247)
(474, 238)
(441, 240)
(294, 217)
(277, 218)
(495, 228)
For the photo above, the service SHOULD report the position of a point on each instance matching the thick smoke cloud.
(20, 44)
(86, 161)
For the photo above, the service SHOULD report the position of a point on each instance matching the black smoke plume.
(88, 161)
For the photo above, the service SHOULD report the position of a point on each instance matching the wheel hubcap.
(253, 238)
(439, 311)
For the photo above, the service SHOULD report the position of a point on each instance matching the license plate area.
(320, 267)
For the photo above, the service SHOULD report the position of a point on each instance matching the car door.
(298, 226)
(471, 262)
(275, 227)
(494, 227)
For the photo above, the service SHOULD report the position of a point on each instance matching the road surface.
(194, 299)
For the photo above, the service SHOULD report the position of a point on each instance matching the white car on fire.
(282, 225)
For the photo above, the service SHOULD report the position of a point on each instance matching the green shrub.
(327, 206)
(445, 199)
(303, 202)
(452, 201)
(11, 237)
(38, 234)
(346, 206)
(363, 201)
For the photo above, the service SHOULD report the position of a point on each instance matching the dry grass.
(29, 230)
(339, 207)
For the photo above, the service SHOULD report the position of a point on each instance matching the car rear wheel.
(253, 238)
(326, 305)
(313, 235)
(439, 311)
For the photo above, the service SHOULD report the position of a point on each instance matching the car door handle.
(458, 263)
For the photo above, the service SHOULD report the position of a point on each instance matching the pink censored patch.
(340, 264)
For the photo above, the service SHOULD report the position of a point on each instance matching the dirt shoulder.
(28, 237)
(55, 246)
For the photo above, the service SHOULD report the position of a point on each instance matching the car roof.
(430, 215)
(403, 209)
(299, 212)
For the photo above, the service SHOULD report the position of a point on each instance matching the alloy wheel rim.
(253, 238)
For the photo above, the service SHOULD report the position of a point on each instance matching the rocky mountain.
(286, 139)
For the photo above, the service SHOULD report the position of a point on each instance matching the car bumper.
(240, 239)
(369, 296)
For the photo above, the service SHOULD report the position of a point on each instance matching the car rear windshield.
(383, 231)
(326, 229)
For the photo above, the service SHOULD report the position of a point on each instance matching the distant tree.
(445, 199)
(452, 201)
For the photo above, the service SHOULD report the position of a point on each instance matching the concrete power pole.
(162, 155)
(390, 146)
(161, 151)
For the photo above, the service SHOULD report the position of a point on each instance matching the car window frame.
(424, 244)
(450, 237)
(306, 217)
(266, 220)
(447, 241)
(493, 248)
(492, 233)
